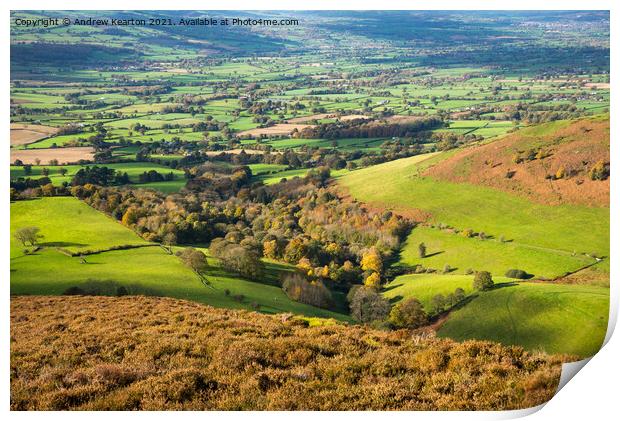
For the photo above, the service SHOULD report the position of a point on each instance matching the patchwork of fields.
(133, 170)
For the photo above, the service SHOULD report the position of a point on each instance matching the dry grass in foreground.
(106, 353)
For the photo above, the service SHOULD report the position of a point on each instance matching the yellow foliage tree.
(304, 264)
(371, 260)
(270, 249)
(130, 217)
(373, 281)
(347, 265)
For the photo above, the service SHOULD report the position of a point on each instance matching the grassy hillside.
(460, 253)
(425, 286)
(400, 185)
(551, 318)
(554, 318)
(68, 223)
(157, 353)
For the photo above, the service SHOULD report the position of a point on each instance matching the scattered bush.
(439, 303)
(467, 233)
(483, 281)
(408, 314)
(95, 287)
(74, 291)
(121, 291)
(459, 295)
(367, 305)
(517, 274)
(599, 171)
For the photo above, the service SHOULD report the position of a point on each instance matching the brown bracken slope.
(152, 353)
(571, 147)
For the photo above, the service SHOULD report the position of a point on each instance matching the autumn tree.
(130, 217)
(315, 293)
(294, 250)
(305, 266)
(237, 258)
(373, 281)
(48, 190)
(169, 240)
(371, 260)
(270, 249)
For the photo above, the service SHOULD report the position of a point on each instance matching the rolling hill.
(472, 217)
(522, 162)
(552, 318)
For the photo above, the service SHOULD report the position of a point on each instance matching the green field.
(262, 169)
(133, 170)
(274, 178)
(425, 286)
(461, 253)
(148, 270)
(570, 319)
(553, 318)
(68, 223)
